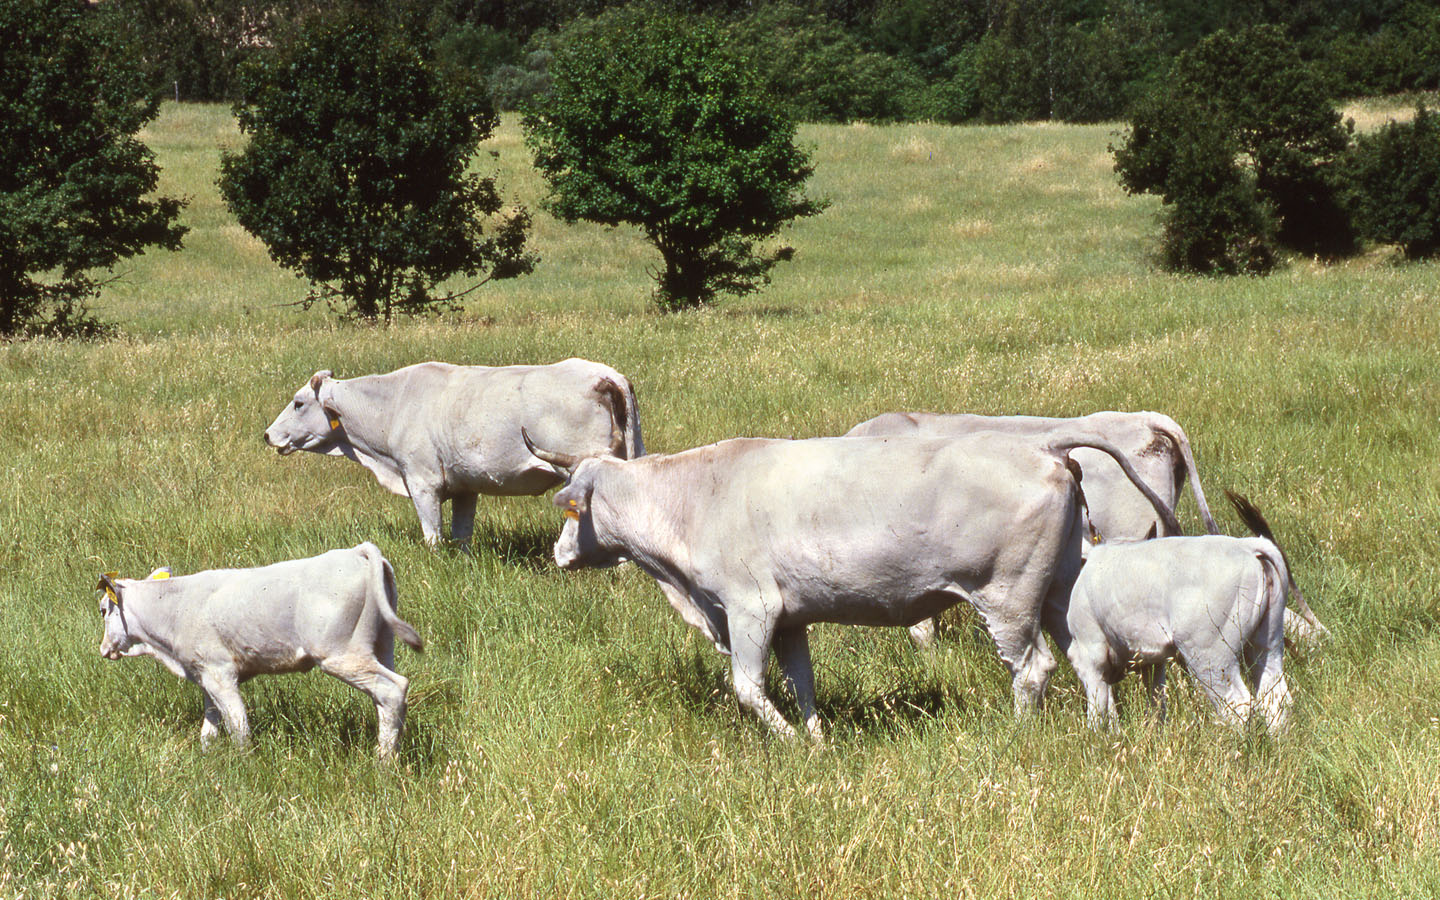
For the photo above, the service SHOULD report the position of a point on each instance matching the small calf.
(221, 627)
(1216, 602)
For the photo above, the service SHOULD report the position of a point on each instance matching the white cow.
(1155, 445)
(221, 627)
(753, 540)
(435, 432)
(1216, 603)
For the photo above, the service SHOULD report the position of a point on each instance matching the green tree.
(1394, 178)
(1244, 112)
(652, 122)
(355, 172)
(75, 183)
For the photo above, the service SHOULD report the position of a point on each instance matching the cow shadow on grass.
(699, 680)
(517, 545)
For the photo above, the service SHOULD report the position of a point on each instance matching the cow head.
(310, 422)
(581, 545)
(117, 639)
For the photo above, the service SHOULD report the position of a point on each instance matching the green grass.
(568, 736)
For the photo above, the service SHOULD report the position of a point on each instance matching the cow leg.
(1099, 697)
(792, 648)
(386, 687)
(1020, 642)
(462, 519)
(1153, 677)
(223, 690)
(923, 633)
(749, 651)
(1225, 687)
(210, 727)
(427, 507)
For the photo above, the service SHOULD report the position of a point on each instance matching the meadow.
(568, 735)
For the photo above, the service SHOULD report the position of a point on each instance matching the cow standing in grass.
(753, 540)
(435, 432)
(1214, 602)
(221, 627)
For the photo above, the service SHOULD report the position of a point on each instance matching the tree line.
(840, 60)
(360, 134)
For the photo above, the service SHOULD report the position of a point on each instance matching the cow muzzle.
(282, 449)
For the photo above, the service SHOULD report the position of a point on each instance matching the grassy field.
(569, 737)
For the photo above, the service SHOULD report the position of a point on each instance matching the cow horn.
(108, 585)
(563, 461)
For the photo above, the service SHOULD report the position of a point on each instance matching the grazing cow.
(1155, 445)
(435, 432)
(1217, 603)
(221, 627)
(752, 540)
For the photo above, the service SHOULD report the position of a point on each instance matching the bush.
(355, 170)
(1240, 100)
(75, 183)
(1259, 90)
(1394, 179)
(653, 122)
(1214, 222)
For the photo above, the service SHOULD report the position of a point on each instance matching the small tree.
(75, 184)
(652, 123)
(1394, 176)
(355, 170)
(1242, 111)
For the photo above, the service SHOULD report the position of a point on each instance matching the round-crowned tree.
(355, 171)
(76, 186)
(652, 122)
(1242, 144)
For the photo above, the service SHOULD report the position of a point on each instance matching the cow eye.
(298, 404)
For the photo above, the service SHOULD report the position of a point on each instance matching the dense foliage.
(653, 123)
(1241, 143)
(1394, 174)
(947, 60)
(75, 182)
(355, 173)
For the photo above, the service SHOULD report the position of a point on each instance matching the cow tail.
(1171, 429)
(1062, 446)
(1277, 581)
(618, 395)
(1261, 528)
(387, 596)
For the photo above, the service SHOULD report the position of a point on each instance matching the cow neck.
(366, 407)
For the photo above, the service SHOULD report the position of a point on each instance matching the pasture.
(568, 735)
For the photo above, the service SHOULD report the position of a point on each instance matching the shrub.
(1394, 179)
(1240, 113)
(75, 183)
(653, 122)
(355, 170)
(1213, 221)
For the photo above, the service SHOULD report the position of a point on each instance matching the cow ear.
(320, 378)
(573, 500)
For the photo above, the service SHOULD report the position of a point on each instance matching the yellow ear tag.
(572, 514)
(160, 575)
(109, 591)
(334, 424)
